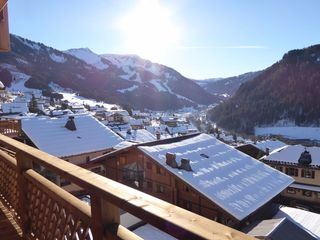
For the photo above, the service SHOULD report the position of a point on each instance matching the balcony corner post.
(105, 216)
(23, 164)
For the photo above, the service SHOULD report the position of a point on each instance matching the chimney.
(267, 151)
(158, 135)
(171, 160)
(185, 164)
(305, 158)
(70, 124)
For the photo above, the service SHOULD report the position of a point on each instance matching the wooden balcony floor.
(9, 230)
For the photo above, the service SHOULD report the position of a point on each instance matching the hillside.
(288, 90)
(226, 87)
(121, 79)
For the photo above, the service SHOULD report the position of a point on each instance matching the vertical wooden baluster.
(23, 164)
(103, 214)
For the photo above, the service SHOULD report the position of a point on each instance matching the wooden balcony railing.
(45, 211)
(10, 127)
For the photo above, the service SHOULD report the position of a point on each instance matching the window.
(291, 190)
(149, 185)
(186, 188)
(160, 188)
(158, 170)
(87, 159)
(307, 173)
(280, 168)
(292, 171)
(149, 165)
(307, 193)
(318, 194)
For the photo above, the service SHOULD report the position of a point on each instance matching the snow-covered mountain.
(226, 87)
(122, 79)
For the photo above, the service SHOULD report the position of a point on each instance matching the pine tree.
(33, 105)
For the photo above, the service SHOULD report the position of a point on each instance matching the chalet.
(76, 139)
(303, 164)
(201, 174)
(169, 121)
(117, 116)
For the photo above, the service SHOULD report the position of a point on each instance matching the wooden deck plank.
(9, 229)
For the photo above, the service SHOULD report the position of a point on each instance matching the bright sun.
(149, 30)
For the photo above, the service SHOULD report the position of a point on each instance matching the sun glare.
(148, 29)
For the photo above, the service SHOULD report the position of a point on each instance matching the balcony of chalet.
(32, 207)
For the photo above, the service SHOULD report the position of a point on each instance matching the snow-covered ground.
(72, 97)
(294, 132)
(89, 57)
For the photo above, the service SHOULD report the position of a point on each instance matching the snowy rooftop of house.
(291, 154)
(139, 135)
(15, 107)
(308, 220)
(51, 135)
(271, 144)
(233, 180)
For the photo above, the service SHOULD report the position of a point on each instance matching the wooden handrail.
(108, 193)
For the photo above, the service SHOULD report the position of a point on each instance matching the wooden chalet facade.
(133, 167)
(303, 165)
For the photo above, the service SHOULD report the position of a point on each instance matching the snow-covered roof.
(271, 144)
(139, 135)
(305, 187)
(15, 107)
(233, 180)
(291, 154)
(50, 135)
(308, 220)
(150, 232)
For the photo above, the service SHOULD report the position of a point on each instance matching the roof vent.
(185, 165)
(171, 160)
(70, 124)
(305, 158)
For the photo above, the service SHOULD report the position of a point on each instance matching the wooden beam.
(2, 4)
(4, 28)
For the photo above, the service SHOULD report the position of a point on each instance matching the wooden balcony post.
(104, 217)
(23, 164)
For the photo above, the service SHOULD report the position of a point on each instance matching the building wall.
(302, 175)
(159, 182)
(85, 157)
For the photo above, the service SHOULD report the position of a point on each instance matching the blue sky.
(199, 38)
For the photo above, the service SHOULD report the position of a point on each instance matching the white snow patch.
(20, 60)
(89, 57)
(30, 44)
(57, 58)
(158, 85)
(130, 89)
(19, 79)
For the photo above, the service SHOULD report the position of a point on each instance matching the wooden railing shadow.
(43, 210)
